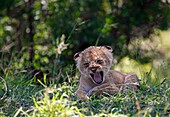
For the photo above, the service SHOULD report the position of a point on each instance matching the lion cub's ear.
(76, 56)
(109, 48)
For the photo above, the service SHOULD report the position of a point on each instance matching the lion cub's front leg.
(84, 86)
(106, 87)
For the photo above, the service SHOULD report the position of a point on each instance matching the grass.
(27, 98)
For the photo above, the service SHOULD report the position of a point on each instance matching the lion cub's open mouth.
(97, 77)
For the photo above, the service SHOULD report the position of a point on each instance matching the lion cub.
(94, 64)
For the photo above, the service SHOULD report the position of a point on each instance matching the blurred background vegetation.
(43, 35)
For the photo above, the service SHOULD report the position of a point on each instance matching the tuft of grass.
(52, 103)
(18, 93)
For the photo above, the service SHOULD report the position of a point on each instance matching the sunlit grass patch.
(153, 75)
(52, 103)
(129, 65)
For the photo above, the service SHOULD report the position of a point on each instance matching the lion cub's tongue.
(97, 77)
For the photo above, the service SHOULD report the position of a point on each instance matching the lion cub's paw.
(92, 91)
(131, 82)
(81, 95)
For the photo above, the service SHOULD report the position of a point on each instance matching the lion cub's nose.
(93, 69)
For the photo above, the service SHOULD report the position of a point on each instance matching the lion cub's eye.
(86, 64)
(99, 61)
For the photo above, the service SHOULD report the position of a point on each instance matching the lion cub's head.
(94, 62)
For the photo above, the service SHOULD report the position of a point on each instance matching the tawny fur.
(94, 64)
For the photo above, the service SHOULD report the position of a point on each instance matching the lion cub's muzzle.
(96, 75)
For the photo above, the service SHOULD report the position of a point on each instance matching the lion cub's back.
(116, 77)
